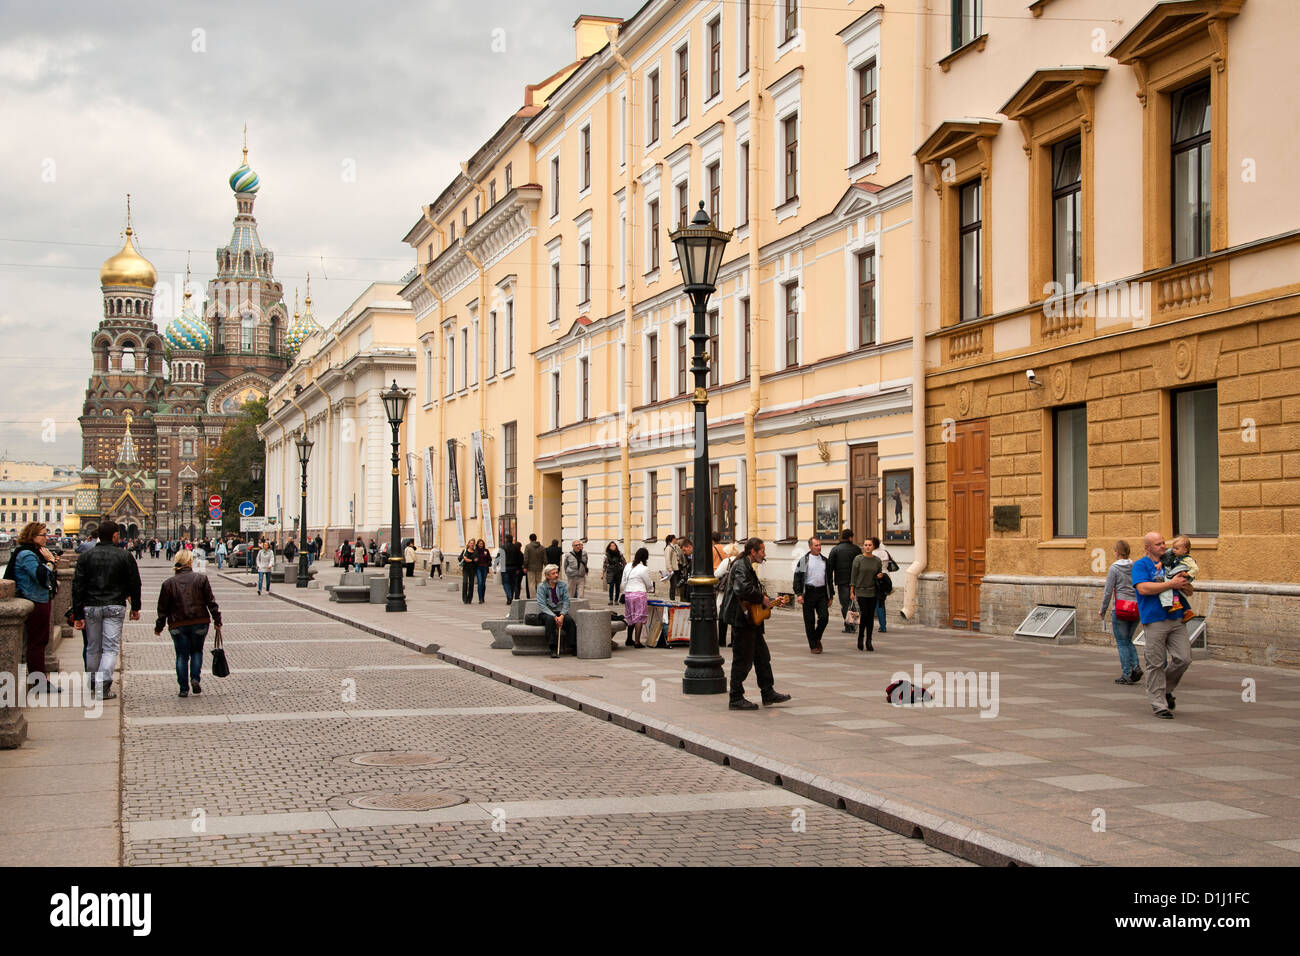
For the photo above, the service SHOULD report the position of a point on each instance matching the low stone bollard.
(378, 584)
(13, 614)
(594, 634)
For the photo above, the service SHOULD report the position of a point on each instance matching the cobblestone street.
(269, 766)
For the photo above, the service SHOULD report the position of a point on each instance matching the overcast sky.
(98, 100)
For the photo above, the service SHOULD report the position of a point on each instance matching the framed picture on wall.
(898, 510)
(828, 514)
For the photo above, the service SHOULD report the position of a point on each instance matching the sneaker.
(742, 704)
(194, 686)
(183, 693)
(1169, 699)
(1124, 680)
(1135, 675)
(770, 699)
(1164, 714)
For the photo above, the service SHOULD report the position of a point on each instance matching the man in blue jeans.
(105, 579)
(1161, 609)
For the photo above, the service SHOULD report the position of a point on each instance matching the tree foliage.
(232, 460)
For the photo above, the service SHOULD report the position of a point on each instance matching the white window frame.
(681, 324)
(742, 29)
(451, 361)
(622, 131)
(653, 135)
(862, 43)
(511, 331)
(493, 326)
(428, 375)
(584, 190)
(553, 250)
(583, 364)
(787, 100)
(740, 124)
(653, 388)
(865, 238)
(554, 184)
(583, 223)
(555, 405)
(782, 46)
(707, 101)
(681, 54)
(779, 326)
(464, 358)
(478, 344)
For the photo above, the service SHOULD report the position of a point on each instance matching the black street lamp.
(187, 507)
(255, 472)
(395, 400)
(304, 453)
(699, 254)
(225, 483)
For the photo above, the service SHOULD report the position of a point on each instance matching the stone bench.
(528, 640)
(514, 615)
(349, 594)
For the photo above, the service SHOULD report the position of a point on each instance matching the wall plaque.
(1006, 517)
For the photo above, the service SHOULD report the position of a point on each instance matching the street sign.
(253, 524)
(214, 501)
(214, 513)
(247, 509)
(214, 525)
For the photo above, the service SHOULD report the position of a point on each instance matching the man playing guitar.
(744, 594)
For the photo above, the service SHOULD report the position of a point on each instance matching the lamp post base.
(396, 593)
(704, 674)
(304, 575)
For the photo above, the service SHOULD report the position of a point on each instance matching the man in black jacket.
(749, 649)
(839, 566)
(554, 554)
(105, 579)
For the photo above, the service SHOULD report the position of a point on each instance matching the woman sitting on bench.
(553, 605)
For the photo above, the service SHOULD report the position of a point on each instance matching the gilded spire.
(295, 305)
(308, 303)
(128, 214)
(245, 143)
(187, 277)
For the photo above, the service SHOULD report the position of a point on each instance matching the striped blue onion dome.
(187, 333)
(244, 180)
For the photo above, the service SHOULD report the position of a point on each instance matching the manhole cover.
(404, 758)
(411, 800)
(576, 677)
(295, 692)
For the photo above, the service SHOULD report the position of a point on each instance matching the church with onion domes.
(157, 403)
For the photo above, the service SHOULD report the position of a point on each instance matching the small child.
(1178, 558)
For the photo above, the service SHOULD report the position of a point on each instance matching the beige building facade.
(1109, 309)
(333, 390)
(552, 317)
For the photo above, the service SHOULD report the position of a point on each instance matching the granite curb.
(951, 836)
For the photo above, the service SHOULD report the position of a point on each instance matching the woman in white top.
(732, 551)
(637, 585)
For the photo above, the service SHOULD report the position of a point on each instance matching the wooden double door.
(968, 520)
(864, 491)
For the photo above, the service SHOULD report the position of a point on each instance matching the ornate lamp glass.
(699, 250)
(304, 445)
(395, 400)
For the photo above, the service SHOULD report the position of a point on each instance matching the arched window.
(128, 359)
(247, 328)
(248, 261)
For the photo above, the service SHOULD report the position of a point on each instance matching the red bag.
(1126, 610)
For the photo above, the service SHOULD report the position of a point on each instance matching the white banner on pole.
(453, 487)
(430, 499)
(412, 504)
(481, 486)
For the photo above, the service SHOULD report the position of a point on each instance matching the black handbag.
(220, 668)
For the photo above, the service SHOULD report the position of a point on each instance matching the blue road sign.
(247, 509)
(214, 514)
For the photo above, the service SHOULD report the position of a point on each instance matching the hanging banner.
(480, 481)
(413, 504)
(429, 526)
(453, 489)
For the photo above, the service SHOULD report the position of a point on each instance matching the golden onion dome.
(128, 267)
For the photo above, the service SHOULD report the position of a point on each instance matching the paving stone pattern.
(279, 759)
(1066, 742)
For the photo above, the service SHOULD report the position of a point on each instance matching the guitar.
(758, 613)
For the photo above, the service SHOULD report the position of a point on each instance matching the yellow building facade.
(552, 318)
(1109, 309)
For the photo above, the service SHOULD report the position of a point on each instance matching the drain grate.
(404, 758)
(297, 692)
(410, 800)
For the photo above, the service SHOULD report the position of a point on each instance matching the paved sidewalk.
(1072, 769)
(59, 790)
(327, 746)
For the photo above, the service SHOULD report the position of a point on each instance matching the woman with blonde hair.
(32, 569)
(185, 606)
